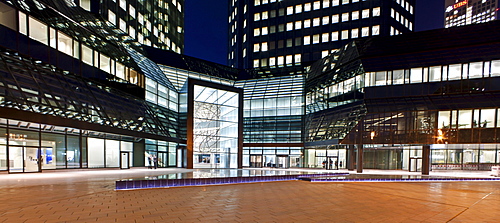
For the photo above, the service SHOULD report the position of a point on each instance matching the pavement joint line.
(467, 208)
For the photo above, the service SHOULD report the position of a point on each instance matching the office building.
(280, 38)
(465, 12)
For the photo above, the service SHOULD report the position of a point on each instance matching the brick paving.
(91, 198)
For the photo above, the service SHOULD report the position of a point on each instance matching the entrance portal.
(24, 159)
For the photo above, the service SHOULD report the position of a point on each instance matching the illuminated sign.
(456, 5)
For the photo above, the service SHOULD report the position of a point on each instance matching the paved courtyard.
(89, 196)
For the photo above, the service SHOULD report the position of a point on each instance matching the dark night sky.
(206, 26)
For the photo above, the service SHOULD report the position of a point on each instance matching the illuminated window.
(298, 24)
(324, 37)
(111, 17)
(264, 15)
(298, 58)
(344, 2)
(365, 13)
(257, 2)
(298, 8)
(324, 53)
(256, 47)
(345, 34)
(255, 63)
(335, 36)
(316, 22)
(272, 61)
(355, 15)
(345, 17)
(244, 37)
(365, 31)
(264, 47)
(281, 27)
(256, 17)
(263, 62)
(38, 31)
(317, 5)
(131, 11)
(307, 23)
(376, 12)
(289, 59)
(392, 13)
(326, 3)
(265, 1)
(354, 33)
(307, 40)
(281, 60)
(335, 2)
(264, 31)
(335, 18)
(307, 7)
(289, 10)
(326, 20)
(256, 32)
(375, 30)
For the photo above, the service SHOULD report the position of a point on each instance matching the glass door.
(24, 159)
(256, 161)
(282, 162)
(332, 163)
(162, 159)
(415, 164)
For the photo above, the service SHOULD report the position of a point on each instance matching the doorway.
(282, 162)
(256, 161)
(332, 163)
(124, 160)
(415, 164)
(24, 159)
(162, 159)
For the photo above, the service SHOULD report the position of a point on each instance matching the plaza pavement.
(89, 196)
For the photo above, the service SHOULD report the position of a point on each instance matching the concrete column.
(350, 158)
(359, 160)
(426, 158)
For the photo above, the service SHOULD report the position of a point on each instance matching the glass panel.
(435, 73)
(464, 118)
(416, 75)
(73, 152)
(8, 16)
(455, 72)
(495, 68)
(38, 31)
(487, 118)
(64, 43)
(476, 70)
(444, 119)
(487, 156)
(53, 151)
(112, 153)
(95, 152)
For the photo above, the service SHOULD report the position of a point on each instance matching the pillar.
(359, 160)
(426, 158)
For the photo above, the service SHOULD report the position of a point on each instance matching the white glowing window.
(307, 40)
(298, 8)
(316, 39)
(112, 17)
(345, 34)
(256, 47)
(317, 5)
(264, 46)
(256, 32)
(345, 2)
(64, 43)
(265, 1)
(345, 17)
(123, 25)
(365, 31)
(307, 23)
(324, 37)
(289, 10)
(335, 2)
(131, 11)
(281, 60)
(264, 31)
(326, 3)
(307, 7)
(123, 4)
(256, 17)
(289, 26)
(140, 18)
(354, 33)
(324, 53)
(255, 63)
(289, 59)
(263, 62)
(335, 18)
(257, 2)
(244, 37)
(326, 20)
(298, 58)
(265, 15)
(375, 30)
(316, 22)
(272, 61)
(335, 36)
(392, 13)
(38, 31)
(298, 24)
(355, 15)
(376, 12)
(365, 13)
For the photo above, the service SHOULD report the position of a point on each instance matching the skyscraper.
(465, 12)
(280, 37)
(159, 24)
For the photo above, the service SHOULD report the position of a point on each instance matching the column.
(426, 158)
(359, 160)
(350, 158)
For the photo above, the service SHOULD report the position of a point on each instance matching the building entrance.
(415, 164)
(256, 161)
(24, 159)
(332, 163)
(282, 161)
